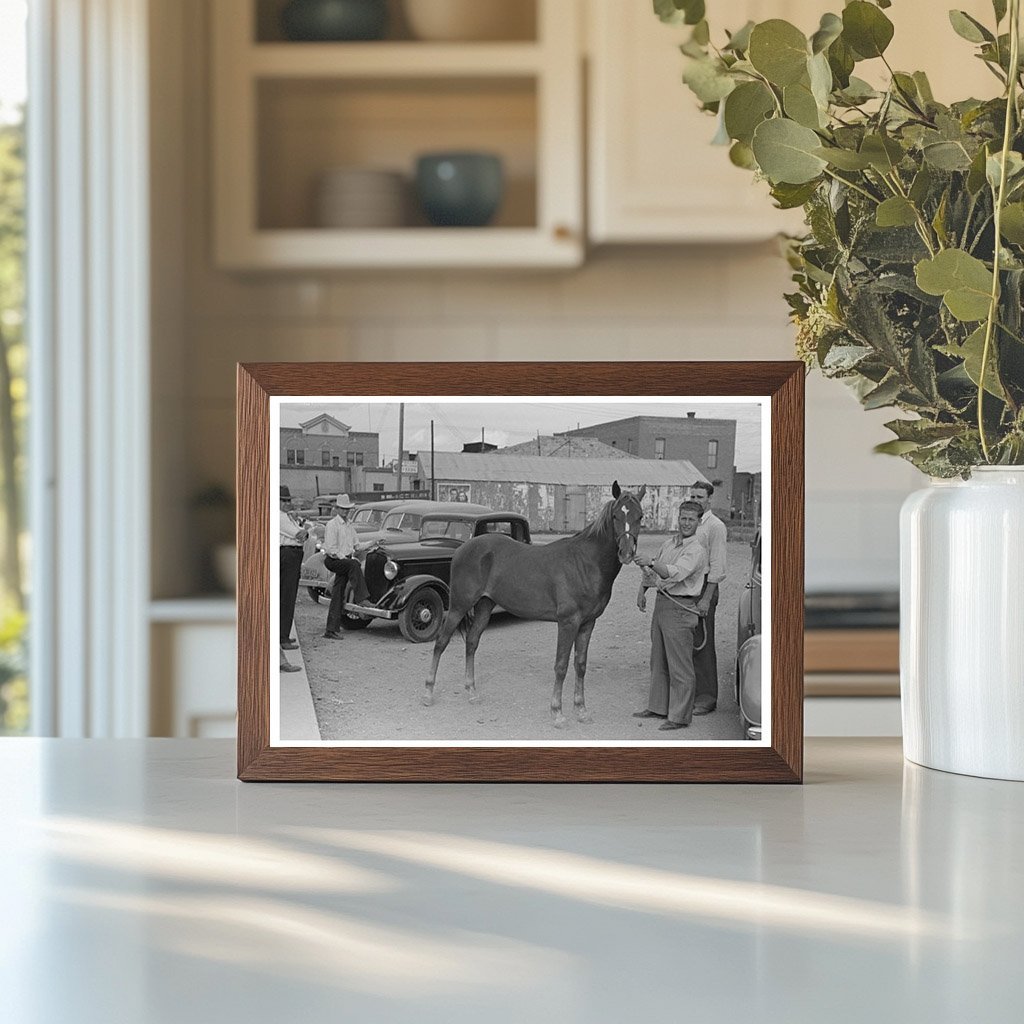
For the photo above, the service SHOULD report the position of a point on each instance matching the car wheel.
(421, 619)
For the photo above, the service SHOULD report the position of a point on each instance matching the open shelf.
(288, 113)
(308, 127)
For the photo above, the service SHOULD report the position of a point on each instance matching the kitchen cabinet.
(286, 113)
(653, 175)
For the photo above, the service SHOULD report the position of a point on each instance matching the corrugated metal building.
(559, 495)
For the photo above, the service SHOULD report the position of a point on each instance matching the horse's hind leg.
(582, 646)
(481, 616)
(451, 623)
(566, 634)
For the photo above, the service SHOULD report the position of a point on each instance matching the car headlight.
(390, 569)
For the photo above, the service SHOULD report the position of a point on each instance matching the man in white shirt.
(291, 539)
(712, 534)
(677, 572)
(341, 544)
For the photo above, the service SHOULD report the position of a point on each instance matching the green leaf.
(676, 12)
(707, 80)
(895, 447)
(778, 50)
(924, 88)
(800, 105)
(745, 108)
(742, 155)
(841, 60)
(701, 33)
(785, 152)
(971, 352)
(1014, 169)
(885, 394)
(789, 197)
(844, 159)
(999, 6)
(883, 153)
(829, 30)
(820, 76)
(923, 431)
(896, 212)
(947, 156)
(963, 281)
(921, 185)
(968, 28)
(866, 29)
(739, 41)
(976, 174)
(858, 91)
(1012, 223)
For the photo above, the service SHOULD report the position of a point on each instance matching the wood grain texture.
(852, 650)
(783, 382)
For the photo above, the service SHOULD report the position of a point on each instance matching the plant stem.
(993, 309)
(855, 187)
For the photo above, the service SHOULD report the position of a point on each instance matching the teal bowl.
(334, 21)
(460, 190)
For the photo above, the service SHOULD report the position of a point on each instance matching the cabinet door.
(654, 175)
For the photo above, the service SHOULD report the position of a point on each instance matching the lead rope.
(701, 619)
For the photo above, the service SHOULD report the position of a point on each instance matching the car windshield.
(455, 529)
(402, 521)
(368, 515)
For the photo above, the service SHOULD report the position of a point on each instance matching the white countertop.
(143, 884)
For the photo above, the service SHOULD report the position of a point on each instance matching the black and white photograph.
(546, 571)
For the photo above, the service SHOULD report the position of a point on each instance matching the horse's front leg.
(567, 630)
(582, 646)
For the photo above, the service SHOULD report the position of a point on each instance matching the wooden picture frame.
(780, 759)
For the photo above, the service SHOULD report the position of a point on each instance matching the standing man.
(678, 574)
(292, 537)
(712, 534)
(341, 543)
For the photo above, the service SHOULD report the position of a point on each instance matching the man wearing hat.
(341, 543)
(292, 538)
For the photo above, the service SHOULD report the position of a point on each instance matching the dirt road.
(368, 685)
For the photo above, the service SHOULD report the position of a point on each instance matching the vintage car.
(369, 518)
(748, 648)
(408, 581)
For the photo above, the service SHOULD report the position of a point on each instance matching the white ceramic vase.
(962, 624)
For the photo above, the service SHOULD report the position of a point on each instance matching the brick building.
(559, 495)
(320, 456)
(709, 444)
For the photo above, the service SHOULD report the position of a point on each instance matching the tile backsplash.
(719, 302)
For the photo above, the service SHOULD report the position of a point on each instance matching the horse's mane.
(601, 528)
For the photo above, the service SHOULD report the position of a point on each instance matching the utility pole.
(401, 441)
(433, 486)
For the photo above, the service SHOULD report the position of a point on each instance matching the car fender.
(400, 594)
(748, 680)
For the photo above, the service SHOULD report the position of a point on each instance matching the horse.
(568, 581)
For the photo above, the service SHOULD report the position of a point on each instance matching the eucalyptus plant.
(910, 278)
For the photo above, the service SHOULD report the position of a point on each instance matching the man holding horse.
(677, 573)
(712, 533)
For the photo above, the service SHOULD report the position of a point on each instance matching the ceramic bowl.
(460, 189)
(334, 20)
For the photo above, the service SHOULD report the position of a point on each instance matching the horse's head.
(627, 516)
